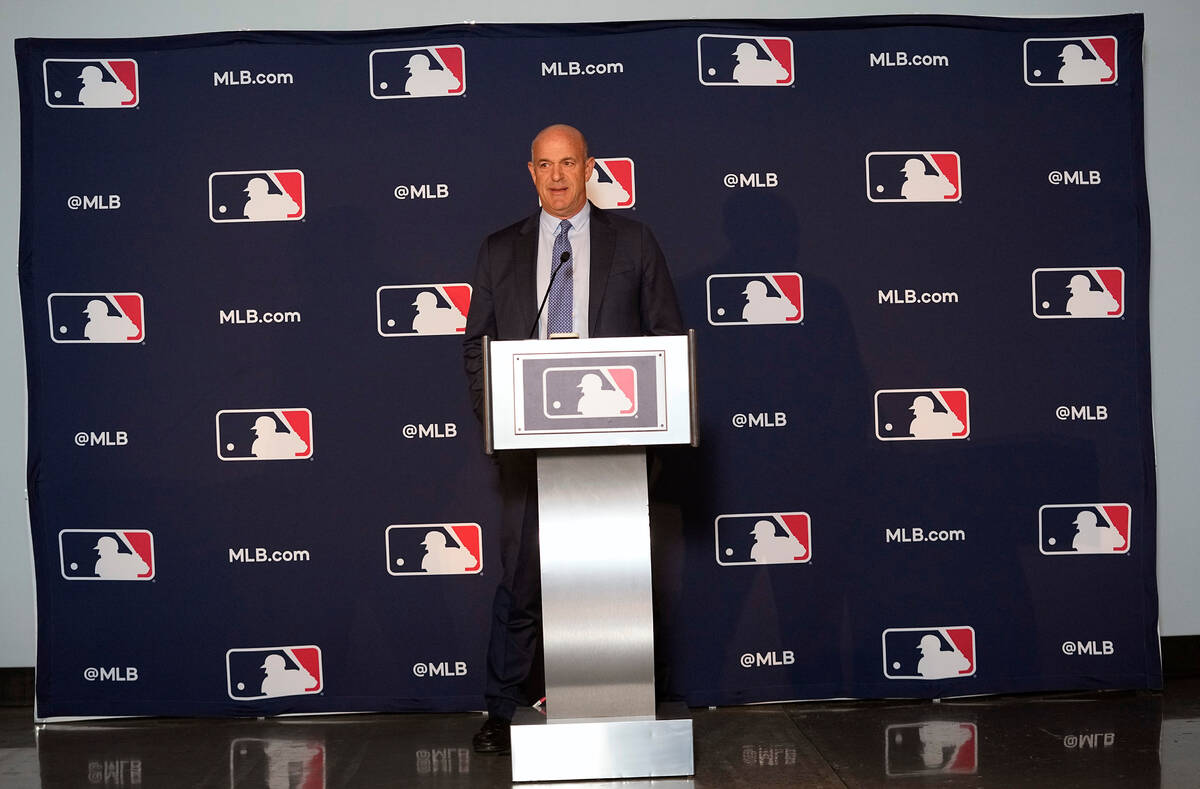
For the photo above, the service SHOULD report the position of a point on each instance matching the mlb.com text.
(910, 296)
(905, 59)
(573, 68)
(246, 77)
(917, 534)
(259, 316)
(256, 555)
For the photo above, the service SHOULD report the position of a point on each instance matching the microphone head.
(565, 257)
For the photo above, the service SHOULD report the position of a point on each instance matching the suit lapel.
(604, 246)
(525, 273)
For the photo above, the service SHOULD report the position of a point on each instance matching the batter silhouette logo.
(271, 672)
(411, 310)
(606, 392)
(755, 299)
(922, 414)
(612, 183)
(929, 652)
(418, 72)
(1059, 62)
(434, 549)
(1078, 292)
(87, 83)
(763, 538)
(744, 60)
(97, 317)
(256, 196)
(106, 554)
(1075, 529)
(914, 177)
(931, 748)
(265, 434)
(582, 392)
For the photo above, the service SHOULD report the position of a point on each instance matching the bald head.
(560, 167)
(562, 131)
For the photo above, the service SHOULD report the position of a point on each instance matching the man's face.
(560, 170)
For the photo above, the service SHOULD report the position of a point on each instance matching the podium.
(589, 408)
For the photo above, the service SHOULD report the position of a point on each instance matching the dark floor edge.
(16, 686)
(1180, 655)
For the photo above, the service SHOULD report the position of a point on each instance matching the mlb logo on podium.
(914, 177)
(932, 748)
(411, 310)
(612, 183)
(265, 434)
(922, 414)
(97, 317)
(434, 549)
(586, 391)
(270, 672)
(1059, 62)
(763, 538)
(256, 196)
(83, 83)
(1075, 529)
(1078, 292)
(418, 72)
(755, 299)
(744, 60)
(106, 554)
(929, 652)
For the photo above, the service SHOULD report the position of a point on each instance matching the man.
(610, 279)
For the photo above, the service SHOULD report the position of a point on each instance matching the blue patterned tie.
(559, 304)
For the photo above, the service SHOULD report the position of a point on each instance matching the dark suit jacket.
(630, 291)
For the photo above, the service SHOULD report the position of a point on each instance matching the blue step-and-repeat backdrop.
(915, 251)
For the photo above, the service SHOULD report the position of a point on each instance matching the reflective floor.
(1093, 740)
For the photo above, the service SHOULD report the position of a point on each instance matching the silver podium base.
(566, 750)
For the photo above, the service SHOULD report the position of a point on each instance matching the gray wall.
(1172, 137)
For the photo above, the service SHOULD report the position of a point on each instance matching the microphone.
(562, 261)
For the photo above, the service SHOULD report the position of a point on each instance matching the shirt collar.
(578, 222)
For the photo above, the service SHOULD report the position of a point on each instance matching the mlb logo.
(1078, 292)
(763, 538)
(97, 317)
(1056, 62)
(929, 652)
(582, 392)
(434, 549)
(611, 184)
(272, 672)
(256, 196)
(1074, 529)
(418, 72)
(265, 434)
(90, 84)
(931, 748)
(263, 761)
(410, 310)
(744, 60)
(755, 299)
(914, 177)
(106, 554)
(922, 414)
